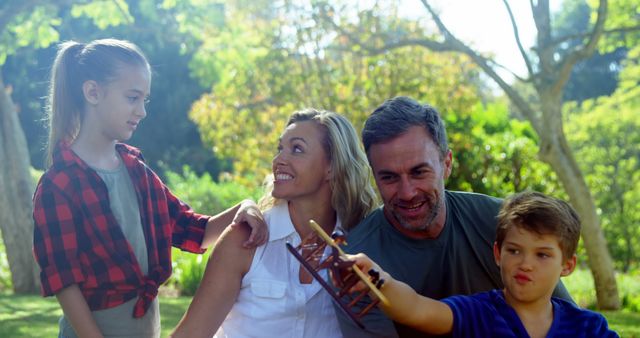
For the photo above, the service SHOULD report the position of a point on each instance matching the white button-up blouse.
(272, 302)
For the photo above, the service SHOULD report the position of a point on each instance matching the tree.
(596, 75)
(549, 65)
(610, 158)
(263, 65)
(22, 24)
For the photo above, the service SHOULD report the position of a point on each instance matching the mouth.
(522, 278)
(281, 177)
(133, 124)
(412, 209)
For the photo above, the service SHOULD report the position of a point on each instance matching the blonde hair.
(74, 64)
(352, 195)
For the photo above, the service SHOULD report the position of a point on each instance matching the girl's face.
(120, 104)
(301, 168)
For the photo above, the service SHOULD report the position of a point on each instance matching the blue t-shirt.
(486, 314)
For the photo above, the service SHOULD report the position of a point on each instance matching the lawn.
(33, 317)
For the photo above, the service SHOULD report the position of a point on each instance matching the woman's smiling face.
(301, 167)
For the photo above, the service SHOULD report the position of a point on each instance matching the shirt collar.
(280, 225)
(64, 156)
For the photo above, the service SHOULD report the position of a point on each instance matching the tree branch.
(570, 37)
(516, 34)
(582, 52)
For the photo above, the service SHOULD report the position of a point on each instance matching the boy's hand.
(250, 214)
(376, 274)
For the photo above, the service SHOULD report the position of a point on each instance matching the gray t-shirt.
(459, 262)
(119, 321)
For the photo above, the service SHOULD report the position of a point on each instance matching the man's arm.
(561, 292)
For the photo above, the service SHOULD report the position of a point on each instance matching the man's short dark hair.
(395, 116)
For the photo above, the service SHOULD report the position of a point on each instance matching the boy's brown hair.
(544, 215)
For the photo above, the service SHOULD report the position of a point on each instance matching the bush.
(205, 196)
(581, 287)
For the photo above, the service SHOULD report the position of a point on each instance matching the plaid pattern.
(77, 239)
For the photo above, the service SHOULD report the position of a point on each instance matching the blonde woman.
(319, 172)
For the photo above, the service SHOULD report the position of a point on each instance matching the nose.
(279, 159)
(526, 264)
(142, 111)
(406, 190)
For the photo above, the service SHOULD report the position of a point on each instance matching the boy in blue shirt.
(535, 245)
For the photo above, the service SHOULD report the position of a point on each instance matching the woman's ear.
(91, 91)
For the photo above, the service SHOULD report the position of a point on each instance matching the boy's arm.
(244, 212)
(77, 311)
(405, 305)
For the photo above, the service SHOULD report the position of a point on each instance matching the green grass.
(34, 317)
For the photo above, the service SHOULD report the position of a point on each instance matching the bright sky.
(485, 24)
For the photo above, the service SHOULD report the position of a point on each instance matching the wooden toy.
(342, 271)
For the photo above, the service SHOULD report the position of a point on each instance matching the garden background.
(228, 73)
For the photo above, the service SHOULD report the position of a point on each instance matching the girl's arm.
(219, 287)
(77, 312)
(405, 305)
(244, 212)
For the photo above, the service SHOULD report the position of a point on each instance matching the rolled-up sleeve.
(55, 241)
(189, 228)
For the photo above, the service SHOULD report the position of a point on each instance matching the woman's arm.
(220, 285)
(244, 212)
(77, 312)
(405, 305)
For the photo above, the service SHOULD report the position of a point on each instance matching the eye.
(147, 100)
(387, 178)
(132, 99)
(543, 255)
(297, 149)
(513, 251)
(279, 149)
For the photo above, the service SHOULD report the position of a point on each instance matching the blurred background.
(539, 95)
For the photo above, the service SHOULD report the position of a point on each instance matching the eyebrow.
(537, 248)
(298, 139)
(414, 168)
(137, 91)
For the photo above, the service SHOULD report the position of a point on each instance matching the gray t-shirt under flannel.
(119, 321)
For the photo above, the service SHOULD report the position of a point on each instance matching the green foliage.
(267, 62)
(36, 29)
(207, 197)
(580, 286)
(187, 271)
(496, 155)
(604, 135)
(622, 14)
(5, 274)
(104, 13)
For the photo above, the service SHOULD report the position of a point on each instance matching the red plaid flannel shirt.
(77, 239)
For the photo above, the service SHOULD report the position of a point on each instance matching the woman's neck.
(301, 212)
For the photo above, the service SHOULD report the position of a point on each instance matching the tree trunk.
(555, 150)
(16, 189)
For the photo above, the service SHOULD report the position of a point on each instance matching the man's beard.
(435, 205)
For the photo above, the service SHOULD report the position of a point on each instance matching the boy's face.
(531, 265)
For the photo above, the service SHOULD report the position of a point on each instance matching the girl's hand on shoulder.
(250, 214)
